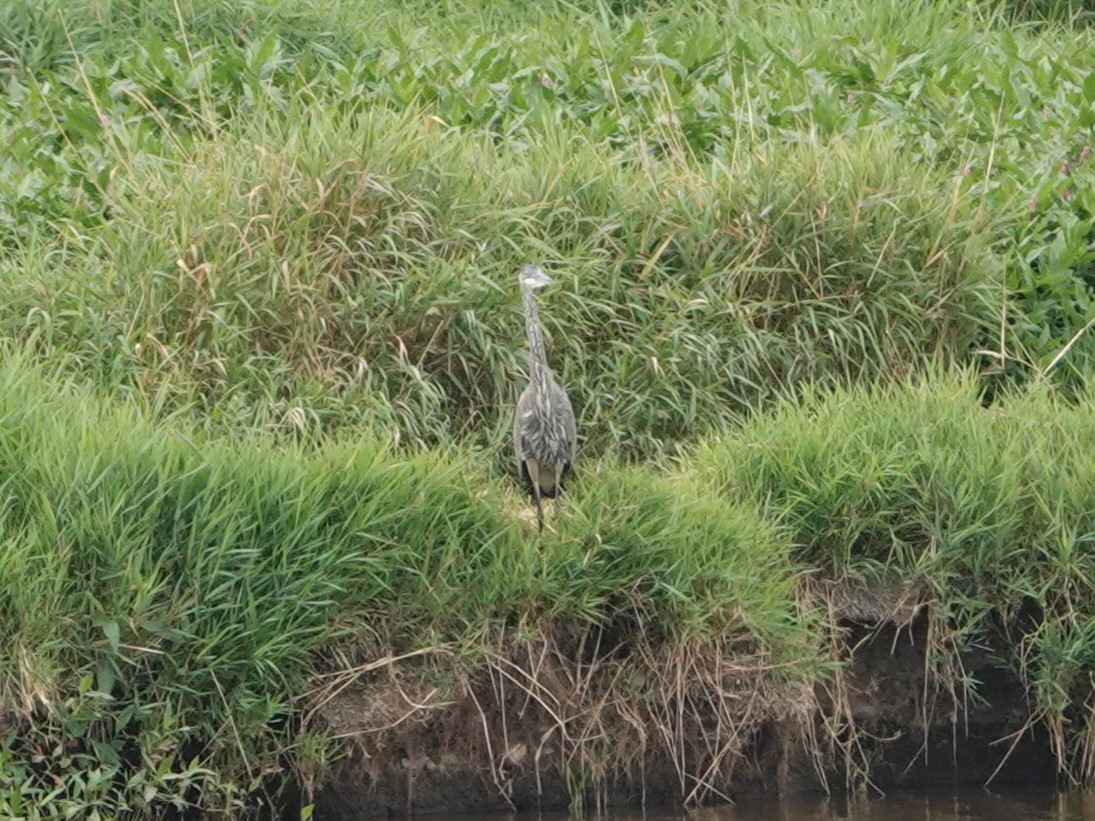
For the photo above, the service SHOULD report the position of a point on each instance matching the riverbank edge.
(881, 721)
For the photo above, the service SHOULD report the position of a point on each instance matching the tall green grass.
(299, 284)
(298, 230)
(168, 598)
(990, 510)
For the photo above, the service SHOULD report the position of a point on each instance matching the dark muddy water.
(967, 804)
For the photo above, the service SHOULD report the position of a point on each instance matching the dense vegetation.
(262, 337)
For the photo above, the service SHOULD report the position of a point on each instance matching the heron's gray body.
(544, 428)
(544, 434)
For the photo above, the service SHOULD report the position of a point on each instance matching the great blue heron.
(544, 431)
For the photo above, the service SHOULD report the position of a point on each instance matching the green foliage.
(166, 597)
(304, 218)
(307, 286)
(824, 192)
(188, 587)
(658, 550)
(991, 509)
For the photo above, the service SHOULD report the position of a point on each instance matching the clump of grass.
(989, 509)
(362, 268)
(661, 552)
(664, 627)
(334, 227)
(159, 592)
(168, 598)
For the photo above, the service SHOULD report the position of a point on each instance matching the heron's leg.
(533, 468)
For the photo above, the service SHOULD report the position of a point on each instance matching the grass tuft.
(987, 509)
(168, 597)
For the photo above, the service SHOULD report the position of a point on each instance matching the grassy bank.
(303, 218)
(174, 603)
(262, 338)
(988, 510)
(170, 600)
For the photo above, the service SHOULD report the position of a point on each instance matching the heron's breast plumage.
(544, 426)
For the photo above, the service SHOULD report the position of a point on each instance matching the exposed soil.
(609, 721)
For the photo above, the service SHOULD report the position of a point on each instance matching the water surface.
(965, 804)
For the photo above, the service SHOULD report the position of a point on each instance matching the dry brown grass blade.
(342, 679)
(593, 710)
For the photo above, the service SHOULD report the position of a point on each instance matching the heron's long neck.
(538, 368)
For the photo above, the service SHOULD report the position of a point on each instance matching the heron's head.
(533, 278)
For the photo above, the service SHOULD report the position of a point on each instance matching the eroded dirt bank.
(613, 720)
